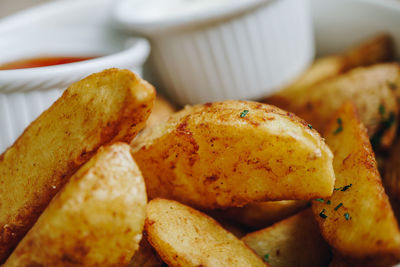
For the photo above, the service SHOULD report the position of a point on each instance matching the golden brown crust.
(294, 241)
(372, 89)
(96, 219)
(101, 109)
(359, 208)
(210, 156)
(183, 236)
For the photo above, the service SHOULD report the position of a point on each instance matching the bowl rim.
(132, 51)
(151, 28)
(137, 52)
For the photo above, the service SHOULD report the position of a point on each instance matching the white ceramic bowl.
(239, 50)
(62, 28)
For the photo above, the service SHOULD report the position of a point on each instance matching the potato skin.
(95, 220)
(186, 237)
(101, 109)
(295, 241)
(359, 236)
(209, 156)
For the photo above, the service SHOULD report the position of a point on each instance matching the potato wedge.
(95, 220)
(371, 90)
(375, 50)
(183, 236)
(103, 108)
(262, 214)
(295, 241)
(232, 153)
(353, 220)
(145, 256)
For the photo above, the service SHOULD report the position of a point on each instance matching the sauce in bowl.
(41, 62)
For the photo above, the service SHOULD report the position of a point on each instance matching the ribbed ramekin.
(230, 53)
(61, 28)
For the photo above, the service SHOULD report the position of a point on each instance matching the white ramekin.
(244, 50)
(61, 28)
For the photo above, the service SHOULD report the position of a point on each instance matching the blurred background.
(10, 6)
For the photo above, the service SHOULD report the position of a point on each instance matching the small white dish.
(62, 28)
(231, 50)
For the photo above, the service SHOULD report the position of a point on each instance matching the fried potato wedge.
(95, 220)
(232, 153)
(375, 50)
(145, 256)
(358, 221)
(371, 90)
(263, 214)
(183, 236)
(295, 241)
(103, 108)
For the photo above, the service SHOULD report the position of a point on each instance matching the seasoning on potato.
(183, 236)
(372, 91)
(103, 108)
(295, 241)
(231, 153)
(376, 49)
(95, 220)
(357, 221)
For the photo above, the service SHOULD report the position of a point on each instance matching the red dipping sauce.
(41, 62)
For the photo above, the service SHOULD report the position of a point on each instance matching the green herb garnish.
(346, 187)
(319, 200)
(244, 113)
(338, 206)
(322, 214)
(340, 126)
(309, 126)
(347, 216)
(386, 124)
(266, 257)
(328, 202)
(381, 109)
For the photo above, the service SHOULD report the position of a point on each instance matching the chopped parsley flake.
(322, 214)
(319, 200)
(309, 126)
(346, 187)
(338, 206)
(340, 126)
(386, 125)
(381, 109)
(266, 257)
(347, 216)
(328, 202)
(244, 113)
